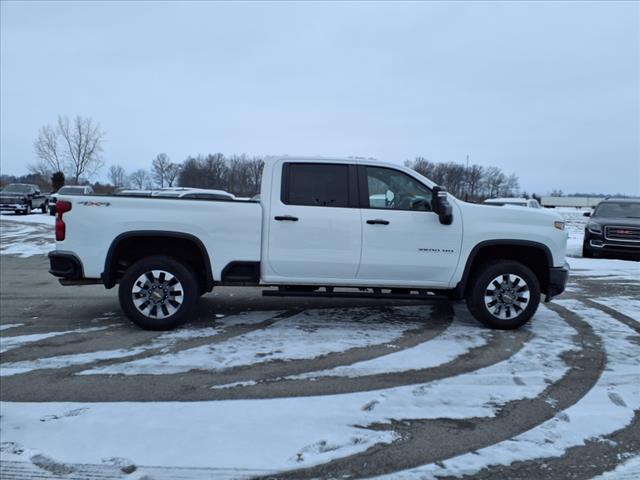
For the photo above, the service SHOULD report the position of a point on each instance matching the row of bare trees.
(238, 174)
(72, 148)
(474, 183)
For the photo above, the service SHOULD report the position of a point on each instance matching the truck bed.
(229, 230)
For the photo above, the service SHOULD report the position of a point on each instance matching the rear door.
(314, 224)
(403, 241)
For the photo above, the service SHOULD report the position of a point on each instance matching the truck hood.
(509, 214)
(619, 221)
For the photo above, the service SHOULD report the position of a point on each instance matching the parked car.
(132, 192)
(614, 228)
(23, 198)
(194, 193)
(68, 190)
(381, 230)
(518, 202)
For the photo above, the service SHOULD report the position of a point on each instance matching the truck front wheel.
(504, 295)
(159, 293)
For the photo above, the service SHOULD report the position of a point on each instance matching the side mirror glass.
(587, 214)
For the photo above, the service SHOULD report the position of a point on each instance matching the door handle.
(287, 218)
(377, 221)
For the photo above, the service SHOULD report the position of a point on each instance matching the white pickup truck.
(322, 227)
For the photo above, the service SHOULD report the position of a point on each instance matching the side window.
(396, 190)
(315, 184)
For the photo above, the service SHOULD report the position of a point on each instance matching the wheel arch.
(127, 248)
(535, 255)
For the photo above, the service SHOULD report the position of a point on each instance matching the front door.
(403, 241)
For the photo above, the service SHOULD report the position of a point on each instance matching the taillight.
(61, 208)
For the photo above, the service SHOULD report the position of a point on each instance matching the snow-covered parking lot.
(321, 388)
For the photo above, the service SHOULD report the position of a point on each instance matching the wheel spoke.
(164, 300)
(507, 296)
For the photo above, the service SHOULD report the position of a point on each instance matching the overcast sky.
(550, 91)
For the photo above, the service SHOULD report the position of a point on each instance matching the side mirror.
(441, 206)
(587, 214)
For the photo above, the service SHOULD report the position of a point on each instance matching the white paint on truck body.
(326, 246)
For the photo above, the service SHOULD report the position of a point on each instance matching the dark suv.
(614, 228)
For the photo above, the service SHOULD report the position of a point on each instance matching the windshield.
(71, 190)
(17, 189)
(618, 210)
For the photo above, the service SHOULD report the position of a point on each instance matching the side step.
(334, 294)
(81, 281)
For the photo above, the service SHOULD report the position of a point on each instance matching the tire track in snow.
(427, 441)
(617, 314)
(498, 348)
(563, 443)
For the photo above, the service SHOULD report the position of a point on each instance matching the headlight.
(559, 225)
(594, 228)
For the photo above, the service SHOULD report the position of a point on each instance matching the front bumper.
(557, 281)
(13, 206)
(597, 243)
(65, 265)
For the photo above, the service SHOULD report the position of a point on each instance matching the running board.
(324, 294)
(82, 281)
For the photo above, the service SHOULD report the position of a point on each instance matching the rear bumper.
(65, 265)
(558, 277)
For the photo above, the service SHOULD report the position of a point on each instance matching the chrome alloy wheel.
(507, 296)
(157, 294)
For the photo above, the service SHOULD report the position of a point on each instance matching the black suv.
(614, 228)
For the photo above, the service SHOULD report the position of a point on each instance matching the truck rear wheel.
(504, 295)
(159, 293)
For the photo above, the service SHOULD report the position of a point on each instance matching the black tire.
(187, 286)
(510, 310)
(586, 251)
(45, 207)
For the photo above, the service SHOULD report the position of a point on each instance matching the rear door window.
(315, 184)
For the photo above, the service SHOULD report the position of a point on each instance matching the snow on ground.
(163, 342)
(627, 470)
(628, 306)
(607, 269)
(10, 325)
(575, 221)
(37, 218)
(615, 397)
(8, 343)
(457, 340)
(332, 330)
(260, 434)
(26, 235)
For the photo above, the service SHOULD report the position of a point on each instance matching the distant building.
(552, 202)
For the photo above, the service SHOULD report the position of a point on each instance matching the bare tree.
(474, 179)
(171, 173)
(49, 151)
(117, 176)
(159, 168)
(140, 178)
(255, 166)
(82, 138)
